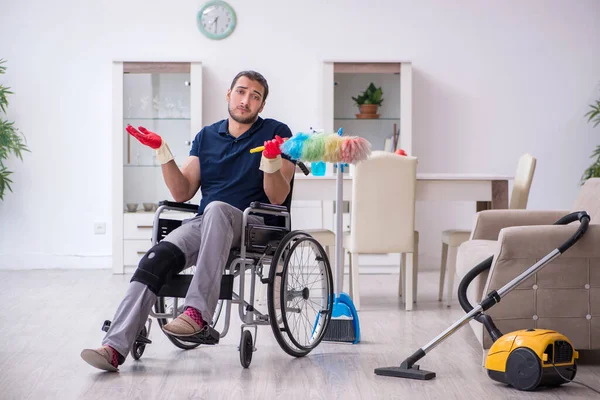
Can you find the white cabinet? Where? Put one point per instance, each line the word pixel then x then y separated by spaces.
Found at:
pixel 163 97
pixel 137 233
pixel 133 251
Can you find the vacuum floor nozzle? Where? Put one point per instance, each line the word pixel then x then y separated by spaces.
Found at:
pixel 402 372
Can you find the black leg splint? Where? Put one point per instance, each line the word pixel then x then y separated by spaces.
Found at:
pixel 158 264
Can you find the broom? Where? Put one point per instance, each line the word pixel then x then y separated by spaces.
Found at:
pixel 335 148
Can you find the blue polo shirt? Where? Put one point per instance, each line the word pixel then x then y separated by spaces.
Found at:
pixel 228 171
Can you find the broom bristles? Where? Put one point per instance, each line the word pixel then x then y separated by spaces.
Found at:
pixel 340 330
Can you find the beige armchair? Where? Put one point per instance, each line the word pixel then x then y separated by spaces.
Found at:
pixel 563 296
pixel 383 218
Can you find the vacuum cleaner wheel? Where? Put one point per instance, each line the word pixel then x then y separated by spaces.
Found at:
pixel 523 369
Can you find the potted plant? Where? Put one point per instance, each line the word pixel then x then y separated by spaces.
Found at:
pixel 593 171
pixel 10 139
pixel 368 101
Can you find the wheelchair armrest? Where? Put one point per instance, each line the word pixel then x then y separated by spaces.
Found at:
pixel 178 206
pixel 257 205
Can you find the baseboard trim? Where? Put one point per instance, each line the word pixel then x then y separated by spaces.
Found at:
pixel 30 261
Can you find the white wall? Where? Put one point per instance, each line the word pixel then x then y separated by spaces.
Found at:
pixel 491 81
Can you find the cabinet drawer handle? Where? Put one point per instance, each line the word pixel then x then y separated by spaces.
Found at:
pixel 144 226
pixel 140 253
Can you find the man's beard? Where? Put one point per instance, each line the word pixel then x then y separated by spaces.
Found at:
pixel 242 120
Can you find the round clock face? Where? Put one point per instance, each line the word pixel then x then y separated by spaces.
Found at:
pixel 216 19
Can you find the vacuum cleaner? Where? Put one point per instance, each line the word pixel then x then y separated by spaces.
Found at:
pixel 525 359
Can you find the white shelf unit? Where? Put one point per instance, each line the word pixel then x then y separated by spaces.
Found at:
pixel 166 98
pixel 343 79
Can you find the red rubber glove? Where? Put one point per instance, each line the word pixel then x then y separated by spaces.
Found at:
pixel 400 152
pixel 151 139
pixel 272 149
pixel 145 137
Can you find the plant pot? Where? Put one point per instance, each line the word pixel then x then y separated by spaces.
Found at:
pixel 368 111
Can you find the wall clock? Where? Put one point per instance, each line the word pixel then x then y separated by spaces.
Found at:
pixel 216 20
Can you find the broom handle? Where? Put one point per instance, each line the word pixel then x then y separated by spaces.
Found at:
pixel 339 233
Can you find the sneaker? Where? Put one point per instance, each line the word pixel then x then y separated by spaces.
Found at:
pixel 100 358
pixel 183 325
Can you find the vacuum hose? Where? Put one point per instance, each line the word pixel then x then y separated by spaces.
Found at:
pixel 485 265
pixel 485 319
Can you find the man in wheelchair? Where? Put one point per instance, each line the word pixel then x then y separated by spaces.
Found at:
pixel 230 178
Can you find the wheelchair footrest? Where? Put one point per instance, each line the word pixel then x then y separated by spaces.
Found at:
pixel 208 335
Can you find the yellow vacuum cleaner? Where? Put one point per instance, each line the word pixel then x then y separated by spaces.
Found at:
pixel 525 359
pixel 530 358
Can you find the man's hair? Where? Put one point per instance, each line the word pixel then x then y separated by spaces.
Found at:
pixel 254 76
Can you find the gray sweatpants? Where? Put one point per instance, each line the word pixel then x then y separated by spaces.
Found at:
pixel 206 241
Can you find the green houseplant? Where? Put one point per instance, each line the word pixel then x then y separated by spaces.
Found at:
pixel 11 141
pixel 593 171
pixel 368 101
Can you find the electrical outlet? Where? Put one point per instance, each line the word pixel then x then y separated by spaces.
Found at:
pixel 99 228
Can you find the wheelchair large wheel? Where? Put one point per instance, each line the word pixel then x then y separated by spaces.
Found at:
pixel 299 293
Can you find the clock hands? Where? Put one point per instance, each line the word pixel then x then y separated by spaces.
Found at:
pixel 215 21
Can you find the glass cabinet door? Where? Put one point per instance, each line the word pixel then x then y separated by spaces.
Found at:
pixel 158 97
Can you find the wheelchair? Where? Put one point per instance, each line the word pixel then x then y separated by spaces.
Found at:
pixel 292 264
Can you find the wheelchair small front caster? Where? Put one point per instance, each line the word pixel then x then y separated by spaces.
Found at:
pixel 246 348
pixel 140 344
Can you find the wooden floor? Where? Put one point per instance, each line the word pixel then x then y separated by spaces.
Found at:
pixel 50 316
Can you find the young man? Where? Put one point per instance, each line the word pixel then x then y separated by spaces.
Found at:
pixel 230 178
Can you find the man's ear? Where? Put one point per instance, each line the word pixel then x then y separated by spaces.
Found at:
pixel 228 95
pixel 261 107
